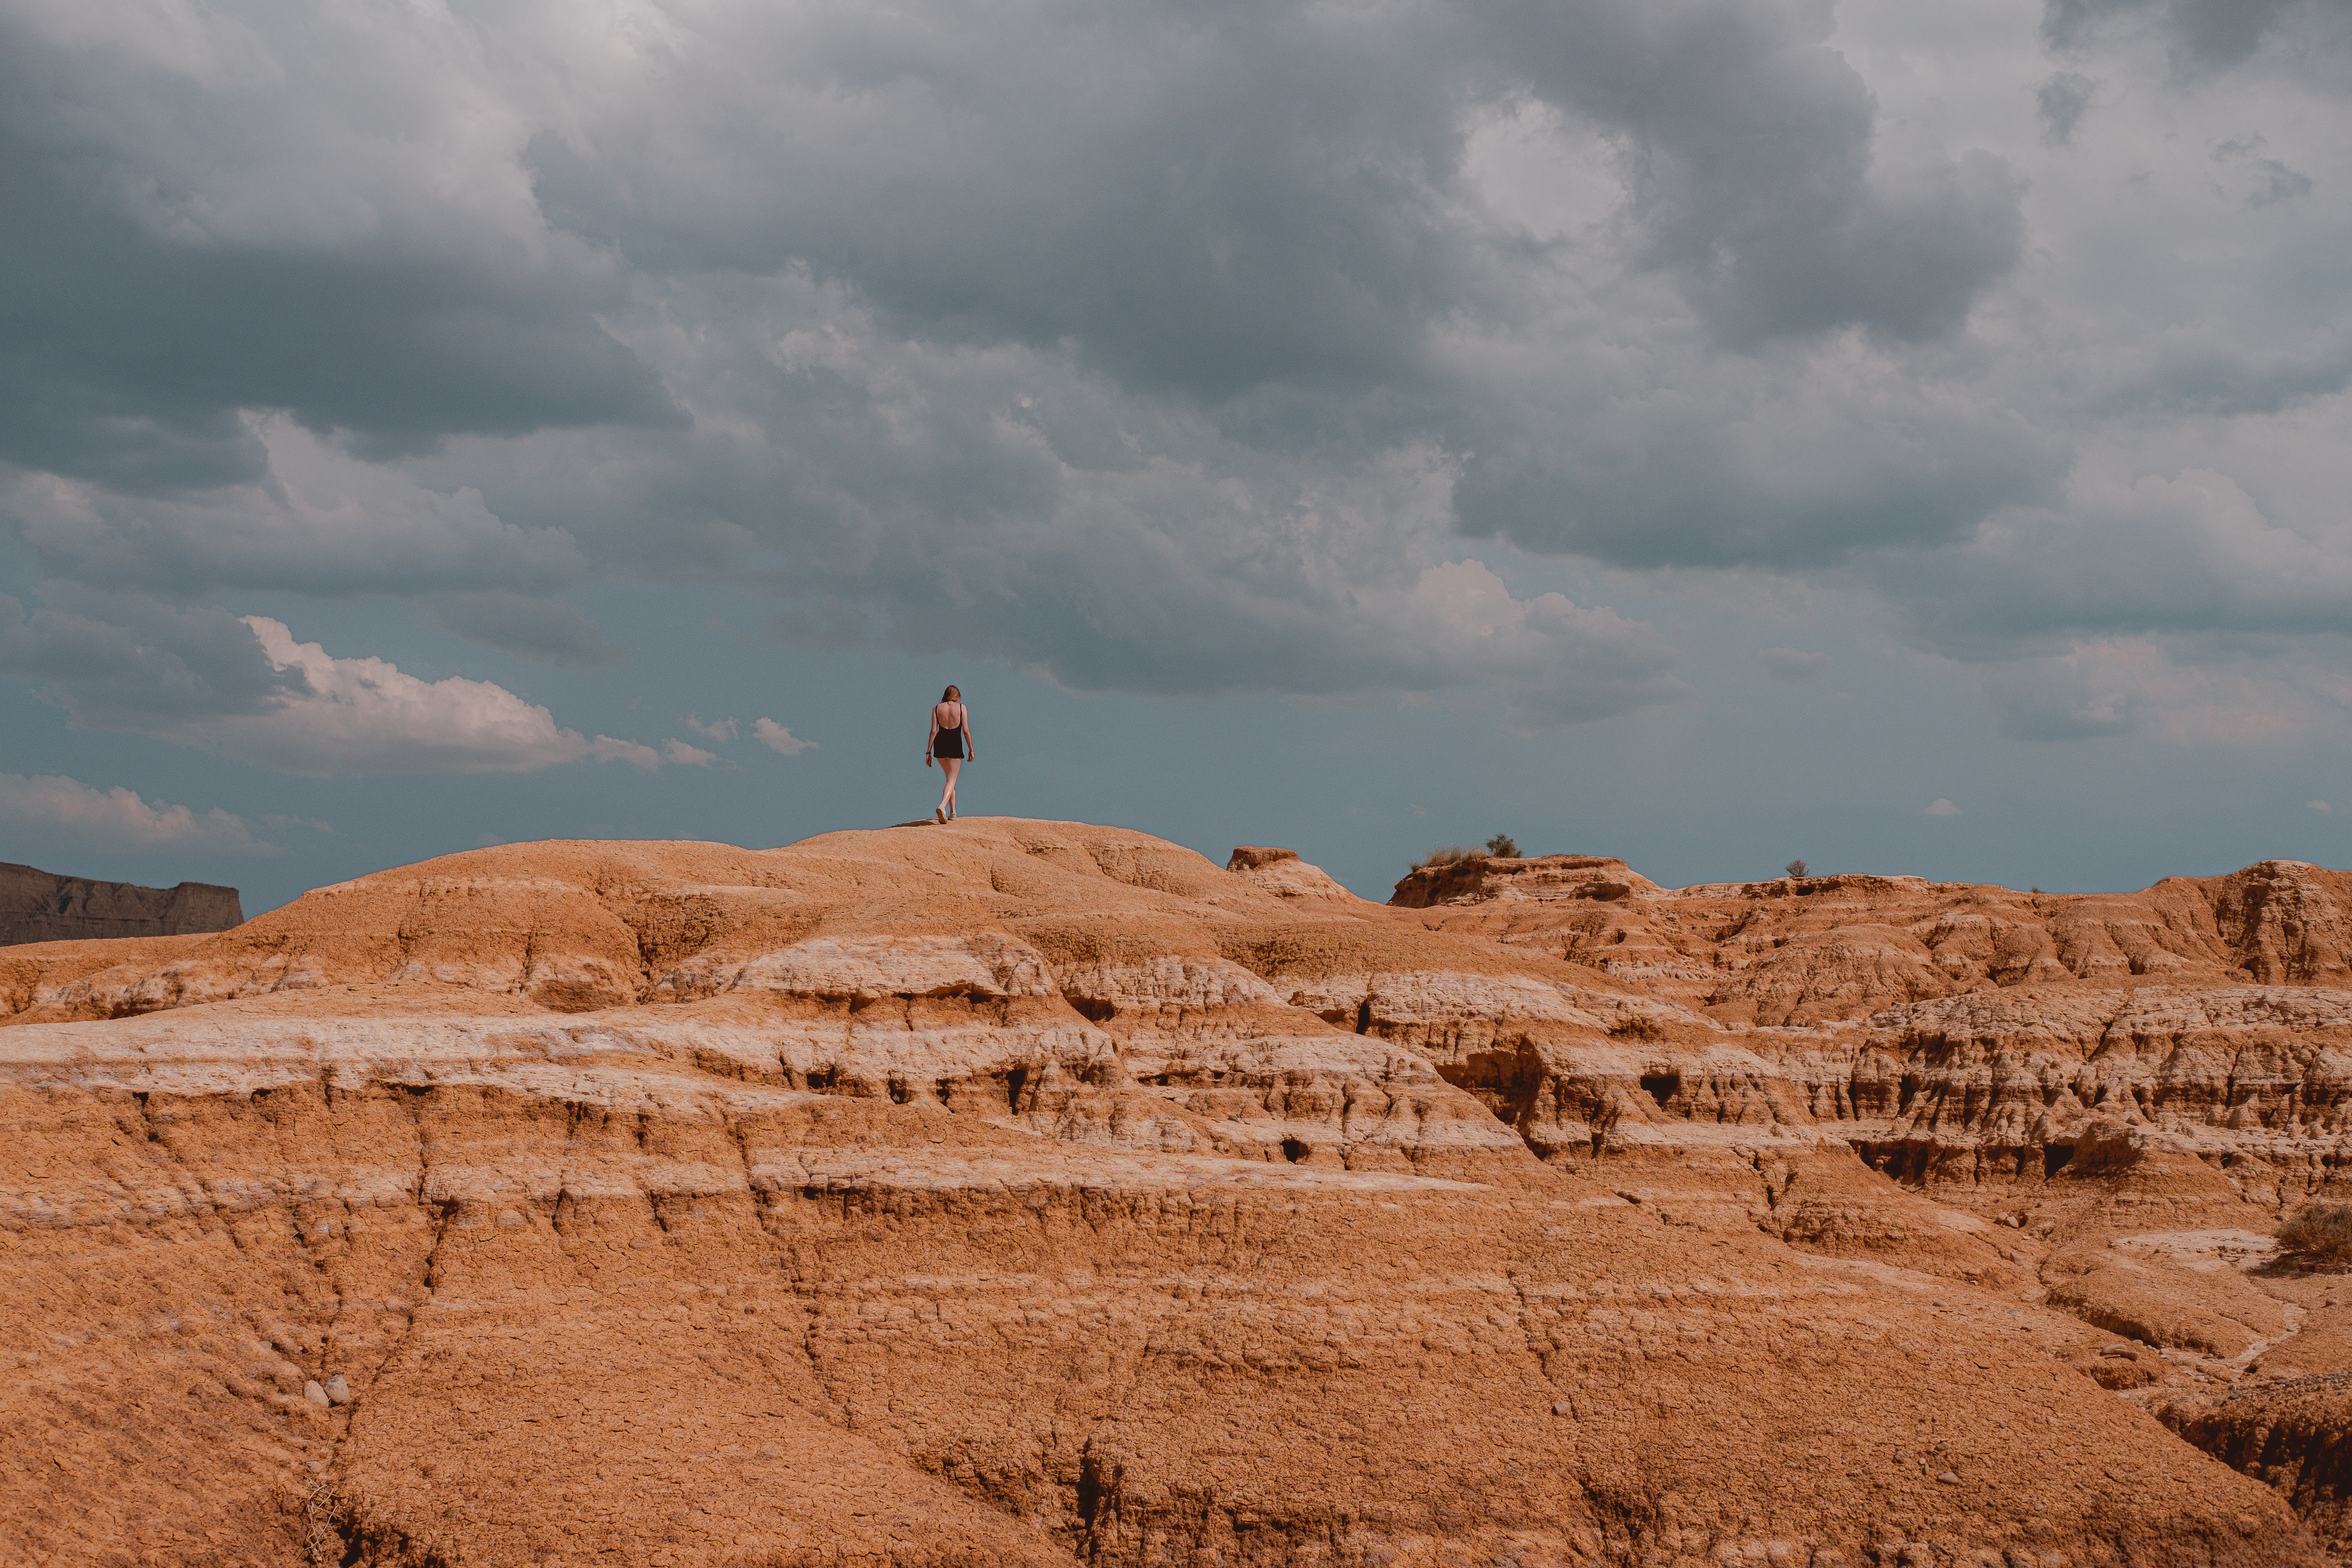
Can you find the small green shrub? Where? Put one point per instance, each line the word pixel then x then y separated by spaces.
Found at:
pixel 1444 856
pixel 1504 846
pixel 2321 1233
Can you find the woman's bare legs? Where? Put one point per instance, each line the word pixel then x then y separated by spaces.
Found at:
pixel 950 766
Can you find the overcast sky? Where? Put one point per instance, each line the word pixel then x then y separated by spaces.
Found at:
pixel 1911 435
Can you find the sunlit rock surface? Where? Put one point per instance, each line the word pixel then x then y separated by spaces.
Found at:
pixel 1025 1192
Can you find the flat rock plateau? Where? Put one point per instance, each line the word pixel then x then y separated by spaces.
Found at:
pixel 41 906
pixel 1033 1193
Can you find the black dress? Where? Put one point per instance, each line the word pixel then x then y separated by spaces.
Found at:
pixel 949 743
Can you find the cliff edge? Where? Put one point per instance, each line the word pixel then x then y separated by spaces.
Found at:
pixel 40 906
pixel 1037 1193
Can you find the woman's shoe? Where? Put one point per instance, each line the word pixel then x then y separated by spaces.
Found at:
pixel 940 815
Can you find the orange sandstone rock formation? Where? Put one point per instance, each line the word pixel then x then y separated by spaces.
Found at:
pixel 1035 1192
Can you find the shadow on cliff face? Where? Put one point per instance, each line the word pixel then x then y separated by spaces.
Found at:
pixel 2296 1437
pixel 40 906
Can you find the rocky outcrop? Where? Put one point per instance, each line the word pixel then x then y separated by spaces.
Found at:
pixel 1481 878
pixel 1029 1192
pixel 2130 1088
pixel 1281 873
pixel 2296 1436
pixel 1947 1032
pixel 37 906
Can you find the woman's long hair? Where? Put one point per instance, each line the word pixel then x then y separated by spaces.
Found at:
pixel 952 694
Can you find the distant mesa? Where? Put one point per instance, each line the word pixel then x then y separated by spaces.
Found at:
pixel 41 906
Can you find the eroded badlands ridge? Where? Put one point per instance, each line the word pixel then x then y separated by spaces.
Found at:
pixel 1030 1192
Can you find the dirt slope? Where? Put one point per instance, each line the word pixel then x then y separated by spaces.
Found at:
pixel 1027 1191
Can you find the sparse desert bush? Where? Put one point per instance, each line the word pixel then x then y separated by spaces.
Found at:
pixel 1502 846
pixel 2319 1233
pixel 1795 868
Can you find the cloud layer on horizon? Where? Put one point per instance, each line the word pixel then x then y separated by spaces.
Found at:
pixel 1171 350
pixel 245 688
pixel 67 810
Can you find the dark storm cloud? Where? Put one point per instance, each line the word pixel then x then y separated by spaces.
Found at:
pixel 2067 697
pixel 1203 198
pixel 1013 504
pixel 130 437
pixel 125 662
pixel 1750 145
pixel 1212 197
pixel 1266 208
pixel 316 521
pixel 2061 102
pixel 1756 480
pixel 546 631
pixel 2203 33
pixel 1794 664
pixel 2194 554
pixel 399 350
pixel 2272 180
pixel 2211 368
pixel 2173 606
pixel 132 329
pixel 1155 347
pixel 1625 520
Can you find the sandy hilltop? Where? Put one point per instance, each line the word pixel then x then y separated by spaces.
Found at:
pixel 1032 1193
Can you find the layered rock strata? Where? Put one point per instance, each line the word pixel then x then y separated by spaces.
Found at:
pixel 39 906
pixel 1038 1192
pixel 1953 1033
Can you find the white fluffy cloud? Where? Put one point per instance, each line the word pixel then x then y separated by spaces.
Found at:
pixel 120 818
pixel 337 715
pixel 777 738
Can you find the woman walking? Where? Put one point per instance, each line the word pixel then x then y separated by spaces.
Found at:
pixel 950 745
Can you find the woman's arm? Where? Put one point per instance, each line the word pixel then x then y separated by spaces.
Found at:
pixel 932 738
